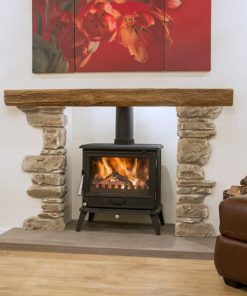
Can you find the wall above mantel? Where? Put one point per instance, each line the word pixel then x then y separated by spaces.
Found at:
pixel 119 97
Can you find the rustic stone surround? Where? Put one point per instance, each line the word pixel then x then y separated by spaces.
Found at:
pixel 48 168
pixel 195 128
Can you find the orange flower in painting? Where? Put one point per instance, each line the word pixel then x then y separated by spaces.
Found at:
pixel 99 21
pixel 165 4
pixel 165 20
pixel 134 34
pixel 141 29
pixel 94 23
pixel 172 4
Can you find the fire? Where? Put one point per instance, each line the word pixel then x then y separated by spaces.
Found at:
pixel 121 173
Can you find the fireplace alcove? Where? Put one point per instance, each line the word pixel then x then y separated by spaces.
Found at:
pixel 43 106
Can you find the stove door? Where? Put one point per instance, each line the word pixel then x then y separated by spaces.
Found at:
pixel 126 179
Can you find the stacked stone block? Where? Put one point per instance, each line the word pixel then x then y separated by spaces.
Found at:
pixel 195 128
pixel 47 169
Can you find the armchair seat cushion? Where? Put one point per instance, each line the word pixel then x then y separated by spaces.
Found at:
pixel 233 218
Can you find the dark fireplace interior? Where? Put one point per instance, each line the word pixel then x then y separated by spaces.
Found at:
pixel 122 177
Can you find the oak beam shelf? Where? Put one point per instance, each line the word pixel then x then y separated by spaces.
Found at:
pixel 119 97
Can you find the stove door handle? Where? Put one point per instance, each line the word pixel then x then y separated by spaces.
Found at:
pixel 80 186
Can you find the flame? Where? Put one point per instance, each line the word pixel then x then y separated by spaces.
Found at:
pixel 121 172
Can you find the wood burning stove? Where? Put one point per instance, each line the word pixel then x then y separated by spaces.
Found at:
pixel 122 177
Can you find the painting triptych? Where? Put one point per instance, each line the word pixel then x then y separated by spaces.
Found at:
pixel 121 35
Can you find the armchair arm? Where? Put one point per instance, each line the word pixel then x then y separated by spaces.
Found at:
pixel 233 217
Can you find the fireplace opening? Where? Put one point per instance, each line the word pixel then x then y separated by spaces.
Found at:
pixel 122 177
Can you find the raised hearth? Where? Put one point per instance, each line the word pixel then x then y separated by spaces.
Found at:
pixel 107 238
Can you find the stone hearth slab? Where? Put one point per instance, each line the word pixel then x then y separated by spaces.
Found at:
pixel 110 239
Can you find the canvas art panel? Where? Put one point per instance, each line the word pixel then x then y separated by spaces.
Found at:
pixel 121 35
pixel 53 36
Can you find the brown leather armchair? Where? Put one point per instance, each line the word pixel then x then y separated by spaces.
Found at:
pixel 230 255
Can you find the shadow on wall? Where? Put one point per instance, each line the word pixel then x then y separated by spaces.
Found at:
pixel 168 196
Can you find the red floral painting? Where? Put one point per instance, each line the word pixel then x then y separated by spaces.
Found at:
pixel 121 35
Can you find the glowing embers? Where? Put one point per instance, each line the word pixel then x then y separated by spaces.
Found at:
pixel 119 173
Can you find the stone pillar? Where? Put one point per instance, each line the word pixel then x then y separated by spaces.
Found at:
pixel 48 168
pixel 195 128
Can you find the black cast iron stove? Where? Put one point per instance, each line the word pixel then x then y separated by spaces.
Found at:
pixel 122 177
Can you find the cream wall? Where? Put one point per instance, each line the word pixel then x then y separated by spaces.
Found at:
pixel 229 63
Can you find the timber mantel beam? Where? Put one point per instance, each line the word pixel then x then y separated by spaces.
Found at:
pixel 119 97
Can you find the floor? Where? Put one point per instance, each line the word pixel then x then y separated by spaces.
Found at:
pixel 39 274
pixel 110 239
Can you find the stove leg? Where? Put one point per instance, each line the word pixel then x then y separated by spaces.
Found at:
pixel 162 221
pixel 90 217
pixel 80 221
pixel 156 223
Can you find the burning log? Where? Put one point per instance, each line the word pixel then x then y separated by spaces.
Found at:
pixel 122 178
pixel 114 181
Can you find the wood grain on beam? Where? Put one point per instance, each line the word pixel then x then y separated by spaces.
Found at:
pixel 119 97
